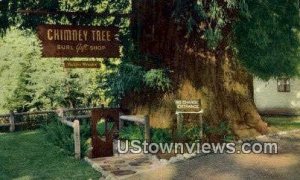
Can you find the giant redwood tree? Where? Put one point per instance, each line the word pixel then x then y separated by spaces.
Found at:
pixel 208 49
pixel 212 49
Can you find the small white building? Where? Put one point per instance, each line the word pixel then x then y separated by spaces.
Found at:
pixel 277 96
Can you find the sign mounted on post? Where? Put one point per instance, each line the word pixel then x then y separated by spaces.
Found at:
pixel 79 41
pixel 188 107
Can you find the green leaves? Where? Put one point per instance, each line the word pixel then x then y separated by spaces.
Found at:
pixel 10 17
pixel 263 33
pixel 159 135
pixel 130 78
pixel 15 93
pixel 157 79
pixel 213 37
pixel 199 10
pixel 268 42
pixel 31 82
pixel 3 16
pixel 132 132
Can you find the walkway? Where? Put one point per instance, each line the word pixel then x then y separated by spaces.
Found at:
pixel 285 165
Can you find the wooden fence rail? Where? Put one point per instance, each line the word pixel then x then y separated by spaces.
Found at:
pixel 76 135
pixel 4 115
pixel 67 120
pixel 12 123
pixel 69 117
pixel 66 117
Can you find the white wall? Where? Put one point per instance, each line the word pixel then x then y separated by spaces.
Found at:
pixel 267 98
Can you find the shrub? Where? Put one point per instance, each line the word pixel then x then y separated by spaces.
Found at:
pixel 36 121
pixel 132 132
pixel 192 134
pixel 30 122
pixel 62 136
pixel 134 78
pixel 157 79
pixel 161 135
pixel 223 131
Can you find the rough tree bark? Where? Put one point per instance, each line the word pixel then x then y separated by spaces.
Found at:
pixel 215 77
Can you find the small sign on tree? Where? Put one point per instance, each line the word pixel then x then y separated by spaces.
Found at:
pixel 188 105
pixel 81 64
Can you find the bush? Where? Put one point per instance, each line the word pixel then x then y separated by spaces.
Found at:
pixel 62 136
pixel 223 131
pixel 161 135
pixel 133 78
pixel 35 121
pixel 30 122
pixel 132 132
pixel 157 79
pixel 192 134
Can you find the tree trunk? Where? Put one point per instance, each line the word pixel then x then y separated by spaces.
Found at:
pixel 214 76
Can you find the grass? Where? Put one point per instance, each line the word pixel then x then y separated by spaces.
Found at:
pixel 26 155
pixel 283 123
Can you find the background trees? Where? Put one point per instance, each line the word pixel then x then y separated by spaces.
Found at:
pixel 267 38
pixel 186 49
pixel 29 82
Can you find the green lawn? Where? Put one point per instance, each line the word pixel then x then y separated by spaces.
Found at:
pixel 26 155
pixel 283 123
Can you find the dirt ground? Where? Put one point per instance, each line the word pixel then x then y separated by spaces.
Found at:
pixel 284 165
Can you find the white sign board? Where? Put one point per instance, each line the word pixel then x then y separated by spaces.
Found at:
pixel 188 105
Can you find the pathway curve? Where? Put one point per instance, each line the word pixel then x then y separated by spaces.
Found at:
pixel 285 165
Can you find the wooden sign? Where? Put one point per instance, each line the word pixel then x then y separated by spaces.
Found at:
pixel 79 41
pixel 188 105
pixel 81 64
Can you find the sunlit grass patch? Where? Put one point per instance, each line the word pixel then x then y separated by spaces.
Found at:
pixel 26 155
pixel 283 123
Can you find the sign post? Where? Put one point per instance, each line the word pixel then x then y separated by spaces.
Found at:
pixel 188 107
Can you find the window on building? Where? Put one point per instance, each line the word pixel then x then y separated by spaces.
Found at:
pixel 283 85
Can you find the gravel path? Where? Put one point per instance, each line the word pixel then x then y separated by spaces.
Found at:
pixel 285 165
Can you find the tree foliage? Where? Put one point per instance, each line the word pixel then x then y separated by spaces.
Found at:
pixel 262 34
pixel 128 78
pixel 29 82
pixel 267 40
pixel 9 15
